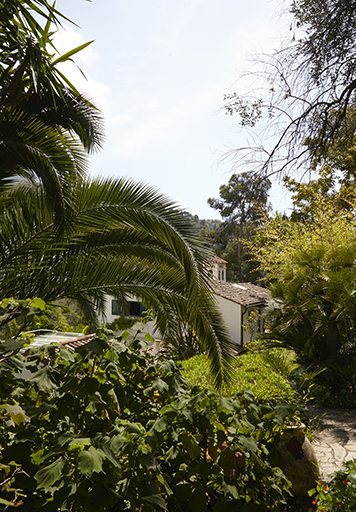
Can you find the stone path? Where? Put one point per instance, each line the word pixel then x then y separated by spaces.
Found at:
pixel 335 442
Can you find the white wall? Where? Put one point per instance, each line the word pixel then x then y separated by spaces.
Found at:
pixel 109 317
pixel 231 313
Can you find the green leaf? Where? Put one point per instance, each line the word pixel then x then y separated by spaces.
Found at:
pixel 108 454
pixel 227 404
pixel 9 346
pixel 8 503
pixel 159 425
pixel 117 442
pixel 149 337
pixel 38 303
pixel 133 428
pixel 80 443
pixel 37 456
pixel 112 368
pixel 249 443
pixel 150 462
pixel 90 461
pixel 190 444
pixel 156 499
pixel 97 346
pixel 163 482
pixel 160 386
pixel 72 52
pixel 47 476
pixel 230 491
pixel 284 410
pixel 43 379
pixel 17 414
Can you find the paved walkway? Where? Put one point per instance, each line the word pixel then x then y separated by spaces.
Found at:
pixel 335 442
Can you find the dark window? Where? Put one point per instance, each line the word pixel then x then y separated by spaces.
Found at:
pixel 134 309
pixel 115 307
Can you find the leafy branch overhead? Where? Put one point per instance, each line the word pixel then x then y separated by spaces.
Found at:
pixel 299 102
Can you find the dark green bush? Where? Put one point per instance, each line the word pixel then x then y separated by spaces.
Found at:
pixel 110 429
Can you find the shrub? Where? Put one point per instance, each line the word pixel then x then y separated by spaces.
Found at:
pixel 110 429
pixel 122 323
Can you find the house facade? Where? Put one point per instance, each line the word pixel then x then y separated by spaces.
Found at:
pixel 134 309
pixel 240 304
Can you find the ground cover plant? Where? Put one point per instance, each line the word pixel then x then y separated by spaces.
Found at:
pixel 109 428
pixel 250 371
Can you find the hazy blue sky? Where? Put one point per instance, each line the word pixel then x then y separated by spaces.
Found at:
pixel 159 69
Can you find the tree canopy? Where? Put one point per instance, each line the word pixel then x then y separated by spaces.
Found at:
pixel 242 204
pixel 309 85
pixel 310 265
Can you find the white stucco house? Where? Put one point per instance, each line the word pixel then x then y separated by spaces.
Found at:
pixel 236 302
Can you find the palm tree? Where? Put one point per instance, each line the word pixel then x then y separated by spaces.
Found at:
pixel 316 314
pixel 46 126
pixel 64 236
pixel 125 238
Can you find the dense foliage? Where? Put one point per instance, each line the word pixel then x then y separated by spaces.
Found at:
pixel 311 267
pixel 109 428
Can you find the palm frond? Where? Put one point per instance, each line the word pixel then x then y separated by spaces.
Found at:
pixel 126 239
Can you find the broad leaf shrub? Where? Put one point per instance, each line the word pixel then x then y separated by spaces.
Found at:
pixel 249 371
pixel 340 493
pixel 108 428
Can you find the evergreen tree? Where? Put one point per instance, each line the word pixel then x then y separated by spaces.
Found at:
pixel 242 203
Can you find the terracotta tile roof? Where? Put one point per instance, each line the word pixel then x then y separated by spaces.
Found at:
pixel 246 294
pixel 217 259
pixel 77 342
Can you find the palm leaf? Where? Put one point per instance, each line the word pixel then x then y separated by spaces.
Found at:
pixel 126 239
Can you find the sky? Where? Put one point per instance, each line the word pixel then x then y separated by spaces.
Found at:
pixel 158 70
